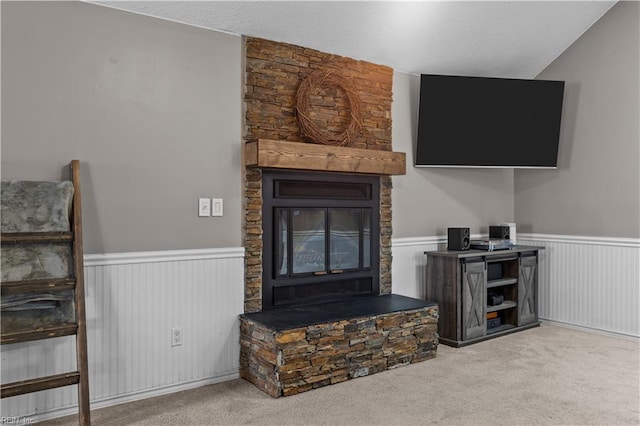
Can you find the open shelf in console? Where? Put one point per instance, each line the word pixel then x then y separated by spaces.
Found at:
pixel 503 327
pixel 507 304
pixel 502 281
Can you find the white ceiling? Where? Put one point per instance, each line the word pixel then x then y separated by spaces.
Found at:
pixel 515 39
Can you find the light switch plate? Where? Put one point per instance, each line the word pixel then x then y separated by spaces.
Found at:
pixel 216 207
pixel 204 207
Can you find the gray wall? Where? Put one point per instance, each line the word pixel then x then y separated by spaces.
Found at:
pixel 153 110
pixel 596 188
pixel 426 201
pixel 150 107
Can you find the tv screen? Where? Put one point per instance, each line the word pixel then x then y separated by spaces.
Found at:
pixel 488 122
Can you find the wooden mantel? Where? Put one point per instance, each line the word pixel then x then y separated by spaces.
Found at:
pixel 266 153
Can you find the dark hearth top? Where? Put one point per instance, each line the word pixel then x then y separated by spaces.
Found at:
pixel 303 316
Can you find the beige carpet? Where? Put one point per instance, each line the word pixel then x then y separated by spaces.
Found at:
pixel 548 375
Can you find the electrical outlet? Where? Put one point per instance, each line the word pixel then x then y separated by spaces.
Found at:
pixel 176 336
pixel 216 207
pixel 204 207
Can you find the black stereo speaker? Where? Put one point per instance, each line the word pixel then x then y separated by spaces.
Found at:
pixel 500 232
pixel 458 239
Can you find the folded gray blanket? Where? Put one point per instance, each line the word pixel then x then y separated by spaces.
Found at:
pixel 35 261
pixel 35 206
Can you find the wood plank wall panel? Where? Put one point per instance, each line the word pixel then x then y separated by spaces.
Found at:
pixel 133 302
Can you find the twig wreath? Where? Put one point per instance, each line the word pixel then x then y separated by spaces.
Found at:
pixel 308 128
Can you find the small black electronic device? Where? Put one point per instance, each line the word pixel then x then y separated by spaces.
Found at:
pixel 493 323
pixel 494 299
pixel 500 232
pixel 491 244
pixel 458 239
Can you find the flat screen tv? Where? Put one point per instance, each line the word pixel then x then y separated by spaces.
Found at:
pixel 488 122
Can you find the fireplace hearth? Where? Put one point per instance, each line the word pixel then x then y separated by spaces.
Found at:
pixel 291 350
pixel 324 319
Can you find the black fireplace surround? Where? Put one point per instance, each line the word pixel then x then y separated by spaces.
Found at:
pixel 321 235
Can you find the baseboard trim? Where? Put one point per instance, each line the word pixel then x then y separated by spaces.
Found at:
pixel 133 396
pixel 591 330
pixel 161 256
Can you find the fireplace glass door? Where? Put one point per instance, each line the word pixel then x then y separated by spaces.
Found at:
pixel 320 229
pixel 322 241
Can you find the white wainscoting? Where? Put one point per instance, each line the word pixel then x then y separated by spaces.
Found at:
pixel 408 267
pixel 409 264
pixel 586 282
pixel 589 282
pixel 133 301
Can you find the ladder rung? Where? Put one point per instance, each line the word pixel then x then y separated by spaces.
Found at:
pixel 36 286
pixel 35 237
pixel 40 333
pixel 39 384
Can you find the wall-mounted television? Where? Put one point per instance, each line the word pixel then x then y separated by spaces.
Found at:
pixel 488 122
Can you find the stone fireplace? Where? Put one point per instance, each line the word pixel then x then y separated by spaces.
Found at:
pixel 318 302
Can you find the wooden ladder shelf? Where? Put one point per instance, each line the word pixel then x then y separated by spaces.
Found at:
pixel 77 328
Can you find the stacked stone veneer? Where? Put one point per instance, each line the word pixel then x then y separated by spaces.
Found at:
pixel 273 73
pixel 284 363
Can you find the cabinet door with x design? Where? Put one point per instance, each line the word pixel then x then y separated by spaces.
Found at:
pixel 474 307
pixel 527 290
